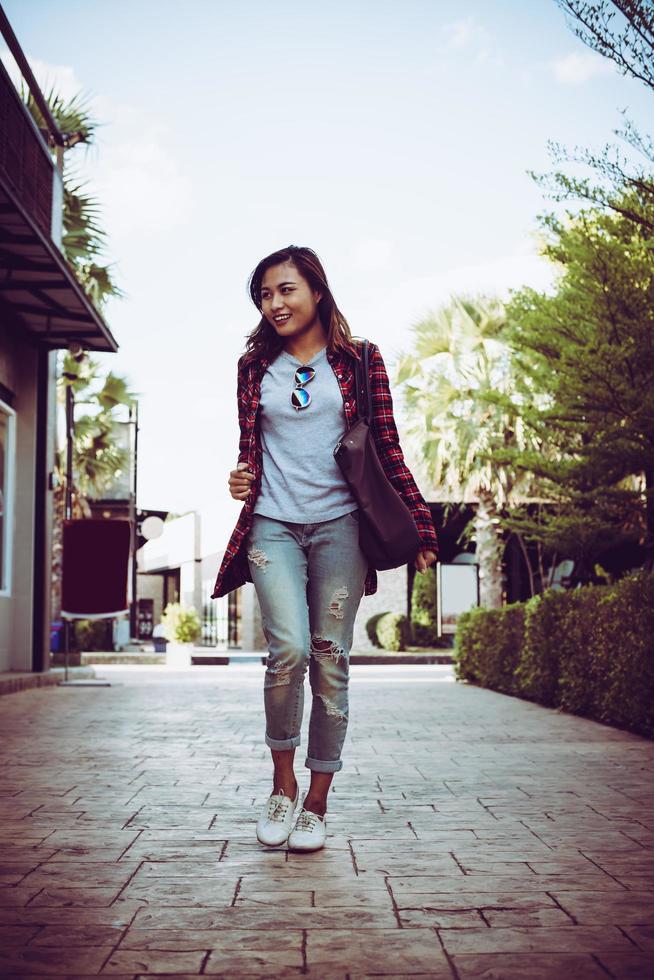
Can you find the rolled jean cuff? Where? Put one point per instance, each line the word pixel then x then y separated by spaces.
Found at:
pixel 319 765
pixel 282 743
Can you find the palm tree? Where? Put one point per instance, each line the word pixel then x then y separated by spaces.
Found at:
pixel 458 366
pixel 98 457
pixel 83 239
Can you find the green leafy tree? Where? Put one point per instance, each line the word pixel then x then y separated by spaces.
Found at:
pixel 98 456
pixel 455 376
pixel 621 30
pixel 588 349
pixel 84 239
pixel 595 461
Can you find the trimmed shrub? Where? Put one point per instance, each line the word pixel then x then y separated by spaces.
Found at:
pixel 424 622
pixel 628 641
pixel 92 635
pixel 537 672
pixel 181 625
pixel 468 641
pixel 488 644
pixel 582 676
pixel 393 631
pixel 371 628
pixel 589 651
pixel 614 680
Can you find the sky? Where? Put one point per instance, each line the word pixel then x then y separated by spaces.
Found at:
pixel 395 139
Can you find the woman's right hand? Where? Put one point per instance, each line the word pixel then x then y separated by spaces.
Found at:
pixel 239 481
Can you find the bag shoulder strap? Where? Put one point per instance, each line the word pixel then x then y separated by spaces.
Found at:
pixel 362 375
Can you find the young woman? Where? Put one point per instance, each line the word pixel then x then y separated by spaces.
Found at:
pixel 297 535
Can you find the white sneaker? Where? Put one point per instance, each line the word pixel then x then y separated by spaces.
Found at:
pixel 274 824
pixel 309 832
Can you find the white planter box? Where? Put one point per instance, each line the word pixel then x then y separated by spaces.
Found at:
pixel 178 654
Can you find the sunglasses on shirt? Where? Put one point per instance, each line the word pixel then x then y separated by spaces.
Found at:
pixel 299 397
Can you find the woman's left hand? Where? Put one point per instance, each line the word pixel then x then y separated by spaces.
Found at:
pixel 424 559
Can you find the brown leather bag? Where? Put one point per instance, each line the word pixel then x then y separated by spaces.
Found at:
pixel 387 532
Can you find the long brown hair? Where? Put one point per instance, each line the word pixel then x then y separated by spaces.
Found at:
pixel 263 341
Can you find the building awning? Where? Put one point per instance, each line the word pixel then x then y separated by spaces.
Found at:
pixel 38 285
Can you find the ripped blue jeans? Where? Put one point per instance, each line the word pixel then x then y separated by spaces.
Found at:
pixel 309 580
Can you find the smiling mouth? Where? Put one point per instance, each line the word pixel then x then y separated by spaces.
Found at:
pixel 283 319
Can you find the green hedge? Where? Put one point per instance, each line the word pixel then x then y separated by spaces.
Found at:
pixel 424 622
pixel 488 645
pixel 91 635
pixel 371 629
pixel 589 651
pixel 393 631
pixel 389 631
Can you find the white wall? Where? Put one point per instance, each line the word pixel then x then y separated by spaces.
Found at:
pixel 179 546
pixel 389 597
pixel 18 372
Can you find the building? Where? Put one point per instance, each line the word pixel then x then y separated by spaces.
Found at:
pixel 42 308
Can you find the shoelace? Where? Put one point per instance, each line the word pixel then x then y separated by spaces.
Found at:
pixel 278 807
pixel 306 821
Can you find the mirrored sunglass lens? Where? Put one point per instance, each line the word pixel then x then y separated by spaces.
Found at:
pixel 302 375
pixel 300 398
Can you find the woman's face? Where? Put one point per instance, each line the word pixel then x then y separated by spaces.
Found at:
pixel 287 300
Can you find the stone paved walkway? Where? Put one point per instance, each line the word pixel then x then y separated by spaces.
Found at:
pixel 469 835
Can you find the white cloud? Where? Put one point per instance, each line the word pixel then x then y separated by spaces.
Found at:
pixel 62 77
pixel 386 316
pixel 470 34
pixel 460 32
pixel 139 178
pixel 580 67
pixel 132 167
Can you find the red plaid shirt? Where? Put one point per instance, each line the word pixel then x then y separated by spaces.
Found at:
pixel 234 569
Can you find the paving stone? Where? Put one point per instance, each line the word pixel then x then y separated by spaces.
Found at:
pixel 154 961
pixel 117 916
pixel 643 936
pixel 589 908
pixel 571 939
pixel 78 934
pixel 486 900
pixel 426 884
pixel 517 966
pixel 628 966
pixel 54 874
pixel 448 918
pixel 232 950
pixel 385 951
pixel 16 895
pixel 58 960
pixel 78 897
pixel 396 976
pixel 292 917
pixel 188 892
pixel 17 935
pixel 528 917
pixel 516 840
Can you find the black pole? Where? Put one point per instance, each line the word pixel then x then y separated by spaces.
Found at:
pixel 68 498
pixel 42 562
pixel 134 419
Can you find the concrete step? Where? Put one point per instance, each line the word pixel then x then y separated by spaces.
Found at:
pixel 13 681
pixel 214 658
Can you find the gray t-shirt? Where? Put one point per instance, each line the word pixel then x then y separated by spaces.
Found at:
pixel 301 481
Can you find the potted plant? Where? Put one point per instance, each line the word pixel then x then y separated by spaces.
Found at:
pixel 182 629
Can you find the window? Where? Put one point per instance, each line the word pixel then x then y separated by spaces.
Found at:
pixel 7 420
